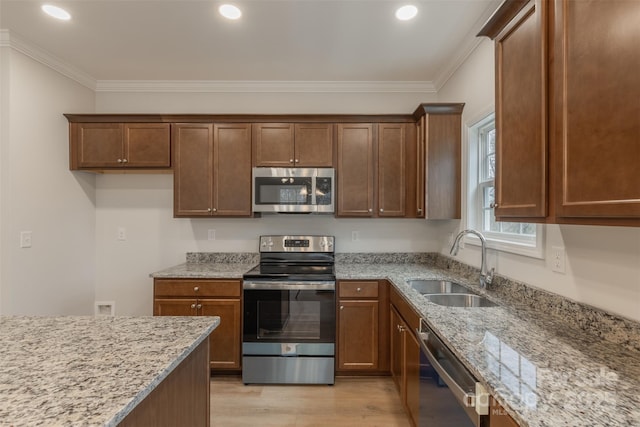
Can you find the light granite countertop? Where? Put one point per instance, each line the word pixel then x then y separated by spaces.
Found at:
pixel 541 367
pixel 64 371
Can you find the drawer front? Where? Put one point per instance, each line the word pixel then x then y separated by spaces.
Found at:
pixel 197 288
pixel 368 289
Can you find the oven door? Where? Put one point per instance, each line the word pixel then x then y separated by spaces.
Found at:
pixel 283 190
pixel 289 319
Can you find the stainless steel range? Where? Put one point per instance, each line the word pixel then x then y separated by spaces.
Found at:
pixel 289 312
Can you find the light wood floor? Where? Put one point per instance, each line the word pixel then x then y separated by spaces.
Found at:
pixel 350 402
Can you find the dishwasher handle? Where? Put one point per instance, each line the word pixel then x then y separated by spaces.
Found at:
pixel 465 397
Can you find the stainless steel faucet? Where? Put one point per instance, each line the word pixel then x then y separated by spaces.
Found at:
pixel 485 278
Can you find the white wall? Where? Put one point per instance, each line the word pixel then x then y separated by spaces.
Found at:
pixel 603 263
pixel 39 194
pixel 155 240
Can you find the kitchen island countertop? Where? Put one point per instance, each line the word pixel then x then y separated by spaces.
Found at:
pixel 88 371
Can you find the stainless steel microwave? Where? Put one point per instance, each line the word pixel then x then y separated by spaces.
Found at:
pixel 293 190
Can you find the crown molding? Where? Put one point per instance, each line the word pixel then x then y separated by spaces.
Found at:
pixel 220 86
pixel 470 42
pixel 11 40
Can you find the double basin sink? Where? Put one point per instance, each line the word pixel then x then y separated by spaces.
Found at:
pixel 449 294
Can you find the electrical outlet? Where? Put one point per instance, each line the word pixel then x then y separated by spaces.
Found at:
pixel 211 234
pixel 25 239
pixel 355 236
pixel 558 259
pixel 122 233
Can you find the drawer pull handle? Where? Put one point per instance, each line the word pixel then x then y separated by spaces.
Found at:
pixel 193 306
pixel 196 289
pixel 358 289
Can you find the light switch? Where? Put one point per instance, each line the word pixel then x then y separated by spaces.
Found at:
pixel 25 239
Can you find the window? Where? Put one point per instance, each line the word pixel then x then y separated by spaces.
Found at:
pixel 522 238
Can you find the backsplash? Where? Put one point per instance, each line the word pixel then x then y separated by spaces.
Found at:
pixel 223 257
pixel 387 258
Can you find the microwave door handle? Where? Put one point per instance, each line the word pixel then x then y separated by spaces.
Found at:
pixel 313 191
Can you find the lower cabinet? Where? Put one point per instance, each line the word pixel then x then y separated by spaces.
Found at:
pixel 362 325
pixel 206 297
pixel 405 355
pixel 498 417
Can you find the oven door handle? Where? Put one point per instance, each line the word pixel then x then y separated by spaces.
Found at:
pixel 285 285
pixel 464 397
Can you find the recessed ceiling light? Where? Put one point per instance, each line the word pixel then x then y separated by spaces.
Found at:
pixel 56 12
pixel 230 11
pixel 407 12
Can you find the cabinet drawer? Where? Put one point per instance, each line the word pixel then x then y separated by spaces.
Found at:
pixel 358 289
pixel 196 288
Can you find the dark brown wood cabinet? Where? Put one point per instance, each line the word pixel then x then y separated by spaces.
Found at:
pixel 375 167
pixel 596 111
pixel 362 325
pixel 293 145
pixel 498 417
pixel 181 399
pixel 212 169
pixel 405 354
pixel 439 139
pixel 567 112
pixel 97 146
pixel 206 297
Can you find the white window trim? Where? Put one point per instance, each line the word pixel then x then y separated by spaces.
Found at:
pixel 495 241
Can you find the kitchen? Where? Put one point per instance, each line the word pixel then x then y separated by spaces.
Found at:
pixel 75 217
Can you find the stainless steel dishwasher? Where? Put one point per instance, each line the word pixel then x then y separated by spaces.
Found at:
pixel 448 395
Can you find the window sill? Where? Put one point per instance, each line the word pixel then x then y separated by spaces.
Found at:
pixel 529 250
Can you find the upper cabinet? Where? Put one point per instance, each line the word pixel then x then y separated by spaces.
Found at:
pixel 567 111
pixel 119 145
pixel 376 170
pixel 293 145
pixel 212 169
pixel 438 160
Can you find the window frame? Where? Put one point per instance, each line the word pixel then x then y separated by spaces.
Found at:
pixel 503 242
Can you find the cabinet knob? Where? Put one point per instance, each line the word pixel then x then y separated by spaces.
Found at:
pixel 381 210
pixel 297 160
pixel 401 328
pixel 119 160
pixel 493 205
pixel 419 210
pixel 290 160
pixel 370 210
pixel 193 306
pixel 215 210
pixel 208 209
pixel 196 289
pixel 199 306
pixel 124 160
pixel 342 307
pixel 358 289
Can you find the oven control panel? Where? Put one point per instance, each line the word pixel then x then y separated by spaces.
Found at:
pixel 296 243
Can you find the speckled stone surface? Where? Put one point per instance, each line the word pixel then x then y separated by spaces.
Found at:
pixel 224 257
pixel 204 270
pixel 544 371
pixel 86 371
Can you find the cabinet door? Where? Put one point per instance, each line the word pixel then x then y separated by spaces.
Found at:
pixel 226 338
pixel 521 115
pixel 391 170
pixel 147 145
pixel 358 335
pixel 174 307
pixel 596 115
pixel 355 172
pixel 420 162
pixel 314 145
pixel 412 374
pixel 232 169
pixel 273 144
pixel 192 169
pixel 97 145
pixel 397 351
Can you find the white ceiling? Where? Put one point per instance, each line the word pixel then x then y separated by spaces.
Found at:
pixel 275 40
